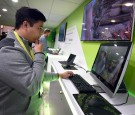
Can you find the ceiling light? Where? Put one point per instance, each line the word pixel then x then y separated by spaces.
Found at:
pixel 1 26
pixel 4 9
pixel 15 1
pixel 106 28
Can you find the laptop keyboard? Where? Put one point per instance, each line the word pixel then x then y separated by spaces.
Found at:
pixel 63 62
pixel 81 84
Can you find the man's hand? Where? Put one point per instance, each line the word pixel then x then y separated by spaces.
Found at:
pixel 66 74
pixel 38 47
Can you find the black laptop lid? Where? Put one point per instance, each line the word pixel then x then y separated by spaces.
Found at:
pixel 71 59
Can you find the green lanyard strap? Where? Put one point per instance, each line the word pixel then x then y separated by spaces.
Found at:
pixel 31 54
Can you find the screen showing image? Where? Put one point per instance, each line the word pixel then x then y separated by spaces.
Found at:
pixel 62 32
pixel 108 20
pixel 109 63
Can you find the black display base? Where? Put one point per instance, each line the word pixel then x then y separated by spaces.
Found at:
pixel 69 67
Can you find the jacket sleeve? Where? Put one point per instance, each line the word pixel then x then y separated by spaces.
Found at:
pixel 18 74
pixel 49 76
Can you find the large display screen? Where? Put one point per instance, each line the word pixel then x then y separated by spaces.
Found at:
pixel 110 64
pixel 108 20
pixel 62 32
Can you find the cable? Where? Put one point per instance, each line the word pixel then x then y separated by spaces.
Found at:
pixel 81 67
pixel 124 102
pixel 88 71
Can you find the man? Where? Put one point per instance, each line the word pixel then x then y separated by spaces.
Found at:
pixel 21 72
pixel 43 40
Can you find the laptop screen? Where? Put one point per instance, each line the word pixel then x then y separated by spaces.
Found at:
pixel 71 59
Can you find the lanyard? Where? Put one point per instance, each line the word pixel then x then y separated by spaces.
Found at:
pixel 31 55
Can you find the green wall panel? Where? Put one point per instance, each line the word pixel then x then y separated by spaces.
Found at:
pixel 130 72
pixel 90 48
pixel 51 38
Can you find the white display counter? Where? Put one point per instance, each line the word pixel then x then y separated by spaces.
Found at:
pixel 69 89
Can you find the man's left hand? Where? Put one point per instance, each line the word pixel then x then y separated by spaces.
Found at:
pixel 66 74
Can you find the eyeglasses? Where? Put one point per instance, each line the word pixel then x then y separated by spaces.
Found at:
pixel 41 29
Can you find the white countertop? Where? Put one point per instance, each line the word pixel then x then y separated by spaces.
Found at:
pixel 69 89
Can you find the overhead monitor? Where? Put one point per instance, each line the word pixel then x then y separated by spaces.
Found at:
pixel 105 20
pixel 62 32
pixel 110 65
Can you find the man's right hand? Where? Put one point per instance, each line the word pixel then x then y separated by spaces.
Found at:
pixel 38 47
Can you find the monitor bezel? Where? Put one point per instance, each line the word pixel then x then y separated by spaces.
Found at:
pixel 111 91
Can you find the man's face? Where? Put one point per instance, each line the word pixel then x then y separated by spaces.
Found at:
pixel 47 34
pixel 34 32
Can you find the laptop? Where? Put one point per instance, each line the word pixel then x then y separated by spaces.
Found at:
pixel 69 61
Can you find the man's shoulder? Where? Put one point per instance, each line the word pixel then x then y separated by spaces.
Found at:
pixel 10 45
pixel 6 42
pixel 42 37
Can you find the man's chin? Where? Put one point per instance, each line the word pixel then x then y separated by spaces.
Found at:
pixel 33 41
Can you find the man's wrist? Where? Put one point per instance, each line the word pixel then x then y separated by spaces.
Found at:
pixel 58 75
pixel 39 53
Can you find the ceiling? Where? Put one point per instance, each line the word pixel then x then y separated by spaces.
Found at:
pixel 54 10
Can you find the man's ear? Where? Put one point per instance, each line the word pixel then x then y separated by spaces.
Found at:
pixel 25 24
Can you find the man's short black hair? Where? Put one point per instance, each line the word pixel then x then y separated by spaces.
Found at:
pixel 28 14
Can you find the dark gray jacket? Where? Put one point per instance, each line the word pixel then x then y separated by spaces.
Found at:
pixel 20 78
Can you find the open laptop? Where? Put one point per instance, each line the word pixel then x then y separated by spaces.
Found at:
pixel 54 51
pixel 69 61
